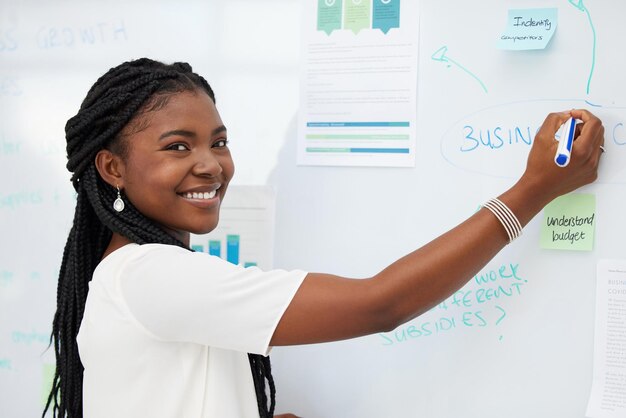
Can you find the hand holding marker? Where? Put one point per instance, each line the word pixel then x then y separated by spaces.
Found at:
pixel 566 141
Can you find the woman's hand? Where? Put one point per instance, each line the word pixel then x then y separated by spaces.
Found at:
pixel 544 177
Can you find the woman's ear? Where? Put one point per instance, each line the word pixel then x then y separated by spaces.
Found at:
pixel 111 168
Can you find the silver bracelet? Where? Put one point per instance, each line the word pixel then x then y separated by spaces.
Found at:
pixel 509 221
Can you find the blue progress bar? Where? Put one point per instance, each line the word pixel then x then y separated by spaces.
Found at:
pixel 358 150
pixel 381 150
pixel 355 124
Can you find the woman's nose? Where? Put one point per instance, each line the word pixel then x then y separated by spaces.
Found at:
pixel 206 163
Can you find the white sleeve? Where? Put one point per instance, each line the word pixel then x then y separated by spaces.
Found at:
pixel 179 295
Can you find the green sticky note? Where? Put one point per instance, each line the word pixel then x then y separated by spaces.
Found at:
pixel 569 223
pixel 46 383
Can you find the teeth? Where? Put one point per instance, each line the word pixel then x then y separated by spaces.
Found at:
pixel 200 195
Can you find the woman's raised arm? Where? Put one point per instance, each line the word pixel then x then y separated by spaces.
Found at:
pixel 329 308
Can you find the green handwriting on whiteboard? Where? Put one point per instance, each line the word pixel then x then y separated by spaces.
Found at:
pixel 580 6
pixel 478 305
pixel 478 319
pixel 440 55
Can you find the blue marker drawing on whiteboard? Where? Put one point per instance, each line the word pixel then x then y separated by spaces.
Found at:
pixel 566 141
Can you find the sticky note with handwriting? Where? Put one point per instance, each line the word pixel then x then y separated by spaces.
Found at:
pixel 569 223
pixel 528 29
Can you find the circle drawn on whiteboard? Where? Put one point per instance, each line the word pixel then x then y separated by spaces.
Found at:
pixel 329 3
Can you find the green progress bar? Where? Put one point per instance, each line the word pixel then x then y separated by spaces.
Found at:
pixel 394 137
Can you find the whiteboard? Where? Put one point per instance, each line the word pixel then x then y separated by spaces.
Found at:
pixel 534 361
pixel 527 354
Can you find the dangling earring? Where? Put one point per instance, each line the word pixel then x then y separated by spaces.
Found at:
pixel 118 204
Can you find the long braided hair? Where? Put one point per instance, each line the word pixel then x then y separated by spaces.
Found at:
pixel 113 102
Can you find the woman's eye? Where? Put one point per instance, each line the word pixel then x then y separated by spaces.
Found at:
pixel 220 143
pixel 178 147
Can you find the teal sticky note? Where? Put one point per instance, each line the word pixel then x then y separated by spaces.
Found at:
pixel 569 223
pixel 528 29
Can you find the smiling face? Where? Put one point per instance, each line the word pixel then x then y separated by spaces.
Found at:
pixel 176 168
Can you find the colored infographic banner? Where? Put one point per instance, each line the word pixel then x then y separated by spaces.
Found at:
pixel 356 15
pixel 386 15
pixel 329 15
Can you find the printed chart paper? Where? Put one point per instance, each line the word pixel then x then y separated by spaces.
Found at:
pixel 245 233
pixel 358 83
pixel 608 391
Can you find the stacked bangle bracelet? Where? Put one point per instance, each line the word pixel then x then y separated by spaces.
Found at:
pixel 506 217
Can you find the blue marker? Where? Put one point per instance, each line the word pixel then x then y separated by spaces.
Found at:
pixel 566 141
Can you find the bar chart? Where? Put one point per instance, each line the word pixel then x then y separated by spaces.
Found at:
pixel 244 235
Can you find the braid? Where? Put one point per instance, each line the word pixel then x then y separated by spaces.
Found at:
pixel 82 249
pixel 112 103
pixel 262 370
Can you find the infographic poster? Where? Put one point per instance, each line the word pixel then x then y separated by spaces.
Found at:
pixel 358 83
